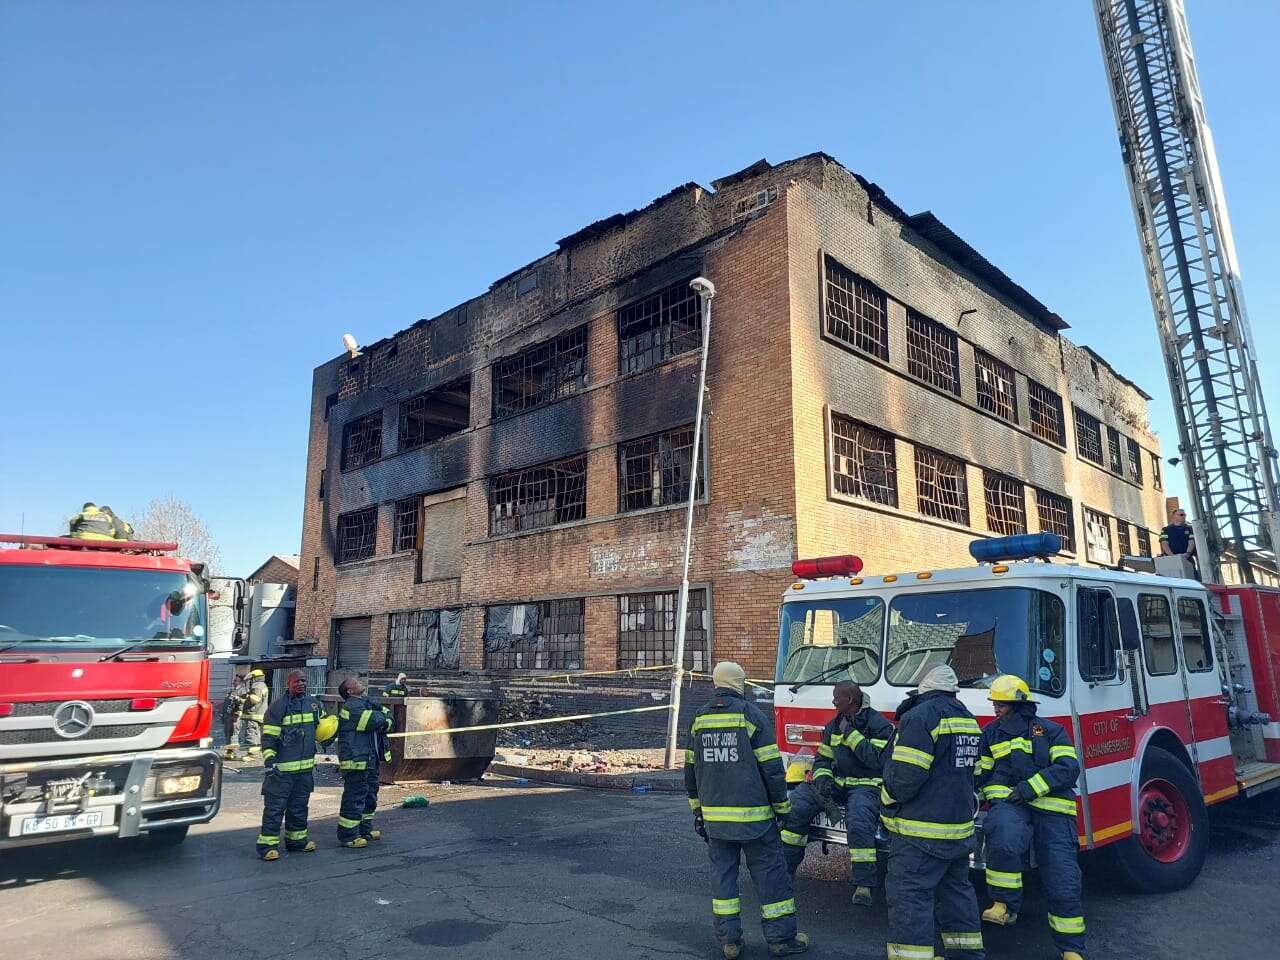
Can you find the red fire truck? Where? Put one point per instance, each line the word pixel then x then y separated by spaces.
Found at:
pixel 104 709
pixel 1170 689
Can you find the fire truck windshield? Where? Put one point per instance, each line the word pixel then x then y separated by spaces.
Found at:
pixel 99 608
pixel 830 640
pixel 980 634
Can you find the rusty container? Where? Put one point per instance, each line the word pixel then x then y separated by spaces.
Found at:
pixel 442 756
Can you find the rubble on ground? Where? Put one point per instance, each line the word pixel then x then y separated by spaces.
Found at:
pixel 584 760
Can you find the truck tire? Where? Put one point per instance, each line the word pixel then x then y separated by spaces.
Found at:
pixel 1173 840
pixel 168 837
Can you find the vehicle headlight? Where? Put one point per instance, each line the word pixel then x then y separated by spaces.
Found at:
pixel 175 783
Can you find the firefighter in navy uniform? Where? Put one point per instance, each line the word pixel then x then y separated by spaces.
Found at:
pixel 1027 771
pixel 846 785
pixel 289 755
pixel 361 725
pixel 397 689
pixel 927 808
pixel 737 787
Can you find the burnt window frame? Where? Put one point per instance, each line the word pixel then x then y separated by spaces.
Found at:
pixel 367 544
pixel 857 485
pixel 649 639
pixel 1134 453
pixel 559 363
pixel 1144 542
pixel 408 653
pixel 996 483
pixel 668 493
pixel 867 334
pixel 568 476
pixel 989 397
pixel 1039 400
pixel 930 506
pixel 673 339
pixel 1157 475
pixel 367 428
pixel 403 415
pixel 1105 520
pixel 406 512
pixel 931 346
pixel 563 652
pixel 1061 507
pixel 1124 540
pixel 1089 428
pixel 1115 452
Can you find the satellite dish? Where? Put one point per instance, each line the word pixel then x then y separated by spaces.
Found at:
pixel 349 344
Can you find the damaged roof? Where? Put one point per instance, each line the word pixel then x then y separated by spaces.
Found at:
pixel 1094 354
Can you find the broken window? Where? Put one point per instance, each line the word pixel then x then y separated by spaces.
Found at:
pixel 1135 460
pixel 1006 508
pixel 997 392
pixel 1044 408
pixel 857 311
pixel 933 352
pixel 424 640
pixel 647 630
pixel 1144 542
pixel 1122 538
pixel 659 327
pixel 1088 437
pixel 534 636
pixel 941 488
pixel 654 471
pixel 357 534
pixel 406 524
pixel 362 441
pixel 538 496
pixel 1056 516
pixel 1097 529
pixel 435 414
pixel 1113 449
pixel 863 462
pixel 540 374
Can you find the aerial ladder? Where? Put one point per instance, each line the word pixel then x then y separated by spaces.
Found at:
pixel 1224 440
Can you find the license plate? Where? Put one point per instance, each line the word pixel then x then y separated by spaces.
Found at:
pixel 34 826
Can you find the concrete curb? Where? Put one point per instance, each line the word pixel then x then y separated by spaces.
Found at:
pixel 659 781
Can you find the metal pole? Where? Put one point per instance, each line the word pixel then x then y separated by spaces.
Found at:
pixel 706 290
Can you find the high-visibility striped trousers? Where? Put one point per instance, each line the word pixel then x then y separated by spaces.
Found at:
pixel 769 876
pixel 917 886
pixel 359 802
pixel 862 816
pixel 285 796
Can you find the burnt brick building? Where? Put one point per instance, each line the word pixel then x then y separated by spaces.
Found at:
pixel 500 487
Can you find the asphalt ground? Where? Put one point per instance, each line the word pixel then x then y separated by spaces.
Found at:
pixel 502 868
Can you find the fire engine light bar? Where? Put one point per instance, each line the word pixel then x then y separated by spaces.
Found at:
pixel 845 566
pixel 1024 546
pixel 127 546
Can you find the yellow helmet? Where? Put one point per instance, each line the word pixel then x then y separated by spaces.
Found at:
pixel 255 672
pixel 326 728
pixel 1009 689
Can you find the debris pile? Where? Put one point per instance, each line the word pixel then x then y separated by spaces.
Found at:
pixel 585 760
pixel 548 735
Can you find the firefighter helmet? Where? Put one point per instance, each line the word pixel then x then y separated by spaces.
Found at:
pixel 326 728
pixel 255 672
pixel 1009 689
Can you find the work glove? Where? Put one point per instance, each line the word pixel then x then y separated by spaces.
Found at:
pixel 827 802
pixel 700 827
pixel 1016 798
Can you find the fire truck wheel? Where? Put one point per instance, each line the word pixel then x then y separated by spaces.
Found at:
pixel 1173 839
pixel 166 838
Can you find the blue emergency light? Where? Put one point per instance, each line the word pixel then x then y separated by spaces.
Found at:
pixel 1024 546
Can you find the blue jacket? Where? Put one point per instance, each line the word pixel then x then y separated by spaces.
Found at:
pixel 1032 756
pixel 851 752
pixel 289 733
pixel 360 723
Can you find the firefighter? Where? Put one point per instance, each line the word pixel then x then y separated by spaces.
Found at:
pixel 289 754
pixel 734 777
pixel 232 704
pixel 92 523
pixel 1027 772
pixel 397 689
pixel 249 729
pixel 361 724
pixel 846 785
pixel 121 529
pixel 927 808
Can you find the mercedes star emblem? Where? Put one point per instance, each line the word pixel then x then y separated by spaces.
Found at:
pixel 73 719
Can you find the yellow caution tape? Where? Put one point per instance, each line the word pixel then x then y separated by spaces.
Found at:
pixel 527 723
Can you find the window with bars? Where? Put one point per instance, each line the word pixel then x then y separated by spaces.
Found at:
pixel 647 630
pixel 538 496
pixel 1113 451
pixel 1144 542
pixel 654 471
pixel 406 524
pixel 857 311
pixel 435 414
pixel 1135 460
pixel 659 327
pixel 1056 516
pixel 541 374
pixel 1157 480
pixel 997 389
pixel 357 534
pixel 421 640
pixel 1097 530
pixel 1006 506
pixel 362 441
pixel 933 352
pixel 942 490
pixel 863 462
pixel 1044 408
pixel 1088 436
pixel 550 639
pixel 1122 538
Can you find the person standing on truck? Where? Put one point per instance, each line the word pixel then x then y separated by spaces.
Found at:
pixel 289 755
pixel 361 724
pixel 737 788
pixel 249 731
pixel 91 523
pixel 927 808
pixel 846 785
pixel 1027 772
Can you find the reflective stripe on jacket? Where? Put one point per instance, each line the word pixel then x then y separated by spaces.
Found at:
pixel 360 721
pixel 255 701
pixel 92 524
pixel 289 733
pixel 1031 755
pixel 851 750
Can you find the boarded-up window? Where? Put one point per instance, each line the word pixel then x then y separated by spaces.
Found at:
pixel 424 640
pixel 443 516
pixel 534 636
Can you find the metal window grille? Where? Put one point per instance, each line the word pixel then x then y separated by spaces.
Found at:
pixel 406 525
pixel 659 327
pixel 997 391
pixel 1113 450
pixel 1135 460
pixel 654 471
pixel 1088 437
pixel 538 496
pixel 941 487
pixel 1097 529
pixel 362 441
pixel 435 414
pixel 1045 410
pixel 1056 516
pixel 1144 542
pixel 414 642
pixel 1157 479
pixel 357 534
pixel 1006 508
pixel 857 311
pixel 541 374
pixel 1122 538
pixel 647 630
pixel 933 353
pixel 863 462
pixel 556 646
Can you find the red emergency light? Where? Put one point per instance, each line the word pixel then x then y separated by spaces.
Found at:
pixel 120 546
pixel 845 566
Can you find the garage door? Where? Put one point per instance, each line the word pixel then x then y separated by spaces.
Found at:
pixel 351 638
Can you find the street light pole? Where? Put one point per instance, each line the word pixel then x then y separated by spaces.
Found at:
pixel 706 290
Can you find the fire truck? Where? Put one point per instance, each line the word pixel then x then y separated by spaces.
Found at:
pixel 104 710
pixel 1169 688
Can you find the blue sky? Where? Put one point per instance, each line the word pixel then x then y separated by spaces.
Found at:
pixel 199 199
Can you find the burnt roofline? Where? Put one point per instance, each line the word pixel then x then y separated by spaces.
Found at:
pixel 1114 372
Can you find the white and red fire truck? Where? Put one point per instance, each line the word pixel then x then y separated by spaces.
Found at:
pixel 1169 689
